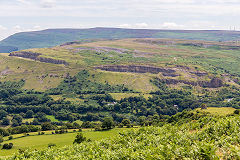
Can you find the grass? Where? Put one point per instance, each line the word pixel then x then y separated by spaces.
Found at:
pixel 29 120
pixel 137 82
pixel 74 100
pixel 221 111
pixel 35 141
pixel 52 118
pixel 119 96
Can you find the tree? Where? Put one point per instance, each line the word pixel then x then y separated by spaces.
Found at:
pixel 2 114
pixel 5 121
pixel 87 124
pixel 126 122
pixel 35 122
pixel 203 106
pixel 47 126
pixel 1 139
pixel 107 123
pixel 18 118
pixel 142 120
pixel 76 125
pixel 3 132
pixel 15 123
pixel 7 146
pixel 29 114
pixel 79 138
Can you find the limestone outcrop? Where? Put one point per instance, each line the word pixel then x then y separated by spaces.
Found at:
pixel 136 69
pixel 35 56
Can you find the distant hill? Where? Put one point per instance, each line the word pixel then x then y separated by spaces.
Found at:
pixel 53 37
pixel 6 49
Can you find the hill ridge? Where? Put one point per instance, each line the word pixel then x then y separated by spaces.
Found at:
pixel 52 37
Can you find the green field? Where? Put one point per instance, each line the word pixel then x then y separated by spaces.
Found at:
pixel 119 96
pixel 35 141
pixel 221 111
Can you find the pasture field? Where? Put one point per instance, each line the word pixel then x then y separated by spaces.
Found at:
pixel 35 141
pixel 119 96
pixel 221 111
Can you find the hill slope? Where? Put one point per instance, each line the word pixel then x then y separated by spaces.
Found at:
pixel 53 37
pixel 132 62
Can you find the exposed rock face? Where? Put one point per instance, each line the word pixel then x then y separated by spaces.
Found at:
pixel 200 74
pixel 156 41
pixel 214 83
pixel 29 55
pixel 103 49
pixel 35 56
pixel 50 60
pixel 6 72
pixel 170 74
pixel 216 46
pixel 136 69
pixel 197 45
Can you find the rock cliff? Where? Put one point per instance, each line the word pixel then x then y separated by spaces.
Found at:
pixel 35 56
pixel 136 69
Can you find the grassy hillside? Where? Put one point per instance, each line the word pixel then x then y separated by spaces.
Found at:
pixel 53 37
pixel 191 61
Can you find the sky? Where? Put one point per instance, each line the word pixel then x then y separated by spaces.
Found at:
pixel 31 15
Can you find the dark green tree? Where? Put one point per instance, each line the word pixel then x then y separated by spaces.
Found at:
pixel 15 123
pixel 29 114
pixel 107 123
pixel 47 126
pixel 2 114
pixel 5 121
pixel 79 138
pixel 126 122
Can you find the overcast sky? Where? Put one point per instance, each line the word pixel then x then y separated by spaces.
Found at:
pixel 28 15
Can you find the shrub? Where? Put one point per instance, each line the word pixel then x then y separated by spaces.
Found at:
pixel 126 122
pixel 7 146
pixel 98 128
pixel 236 111
pixel 51 145
pixel 120 125
pixel 79 138
pixel 1 139
pixel 10 137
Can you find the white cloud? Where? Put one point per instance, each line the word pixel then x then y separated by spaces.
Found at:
pixel 172 25
pixel 157 14
pixel 2 27
pixel 137 25
pixel 141 25
pixel 48 3
pixel 124 25
pixel 37 27
pixel 26 2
